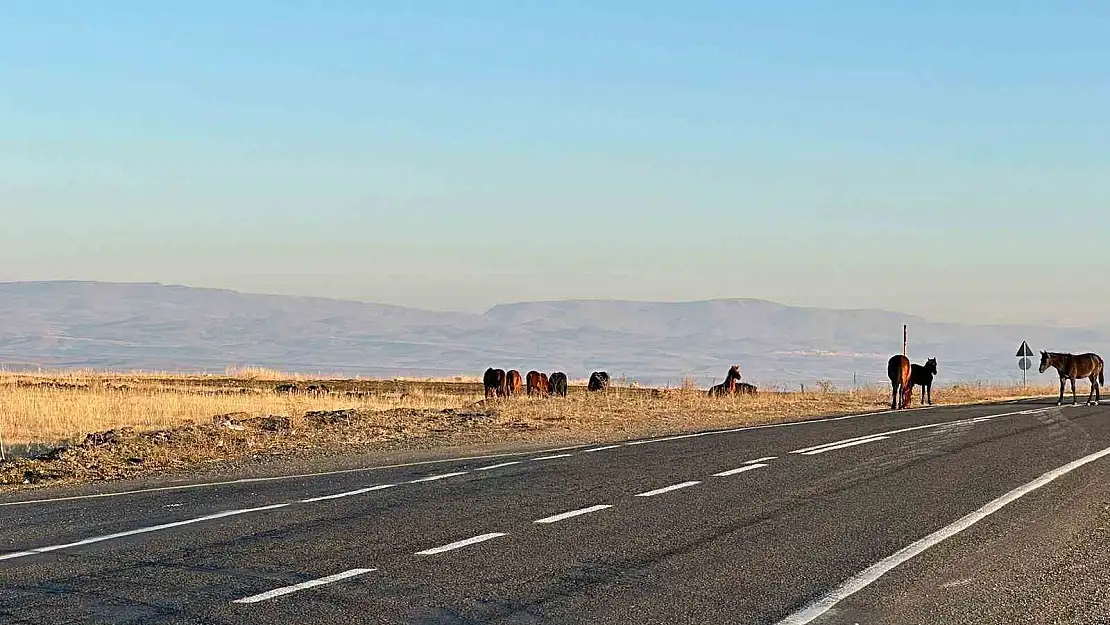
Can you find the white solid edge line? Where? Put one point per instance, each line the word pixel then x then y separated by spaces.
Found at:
pixel 864 578
pixel 277 592
pixel 433 478
pixel 758 460
pixel 572 514
pixel 498 466
pixel 542 458
pixel 141 530
pixel 349 493
pixel 667 489
pixel 590 451
pixel 462 543
pixel 846 445
pixel 743 469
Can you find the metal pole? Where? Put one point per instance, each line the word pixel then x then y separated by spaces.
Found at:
pixel 905 337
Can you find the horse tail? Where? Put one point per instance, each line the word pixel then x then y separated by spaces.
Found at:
pixel 1101 368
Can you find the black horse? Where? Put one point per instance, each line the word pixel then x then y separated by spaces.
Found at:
pixel 558 384
pixel 922 375
pixel 494 382
pixel 599 381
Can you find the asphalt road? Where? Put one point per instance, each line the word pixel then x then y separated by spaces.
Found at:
pixel 745 526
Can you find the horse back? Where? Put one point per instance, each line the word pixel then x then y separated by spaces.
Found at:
pixel 898 369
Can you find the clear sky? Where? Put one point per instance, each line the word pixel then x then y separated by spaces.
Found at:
pixel 950 159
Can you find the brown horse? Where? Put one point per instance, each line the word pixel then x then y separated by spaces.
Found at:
pixel 536 383
pixel 901 391
pixel 513 382
pixel 732 384
pixel 1072 366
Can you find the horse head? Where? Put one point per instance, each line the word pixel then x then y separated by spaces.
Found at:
pixel 931 366
pixel 1044 361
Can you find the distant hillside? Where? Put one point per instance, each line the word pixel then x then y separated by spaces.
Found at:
pixel 153 326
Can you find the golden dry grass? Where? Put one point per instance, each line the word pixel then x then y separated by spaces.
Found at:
pixel 50 409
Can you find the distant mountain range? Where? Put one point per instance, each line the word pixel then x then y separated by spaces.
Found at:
pixel 174 328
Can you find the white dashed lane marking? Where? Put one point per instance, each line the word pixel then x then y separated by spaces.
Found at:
pixel 573 513
pixel 590 451
pixel 277 592
pixel 874 439
pixel 743 469
pixel 460 544
pixel 434 478
pixel 758 460
pixel 349 493
pixel 667 489
pixel 555 457
pixel 498 466
pixel 141 530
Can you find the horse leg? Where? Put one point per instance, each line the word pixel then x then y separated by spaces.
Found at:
pixel 1060 401
pixel 1074 401
pixel 1090 396
pixel 893 395
pixel 929 388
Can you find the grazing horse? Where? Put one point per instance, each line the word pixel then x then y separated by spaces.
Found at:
pixel 285 388
pixel 599 381
pixel 898 370
pixel 728 387
pixel 1072 366
pixel 922 375
pixel 494 381
pixel 536 383
pixel 558 384
pixel 513 382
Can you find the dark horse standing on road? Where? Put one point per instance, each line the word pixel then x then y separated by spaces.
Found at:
pixel 1072 366
pixel 922 375
pixel 898 370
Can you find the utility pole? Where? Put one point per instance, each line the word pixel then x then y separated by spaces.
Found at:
pixel 905 339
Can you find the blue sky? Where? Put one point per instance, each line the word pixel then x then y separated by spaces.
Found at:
pixel 945 160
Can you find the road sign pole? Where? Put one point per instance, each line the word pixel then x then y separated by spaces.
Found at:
pixel 905 340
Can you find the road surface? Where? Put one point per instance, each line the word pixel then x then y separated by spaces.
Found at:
pixel 978 514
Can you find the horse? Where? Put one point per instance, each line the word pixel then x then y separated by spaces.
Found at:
pixel 728 387
pixel 537 383
pixel 494 382
pixel 558 384
pixel 599 381
pixel 922 375
pixel 513 382
pixel 1072 366
pixel 898 370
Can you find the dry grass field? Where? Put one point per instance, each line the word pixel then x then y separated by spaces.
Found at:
pixel 158 422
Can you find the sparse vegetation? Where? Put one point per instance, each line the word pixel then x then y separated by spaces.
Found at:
pixel 160 422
